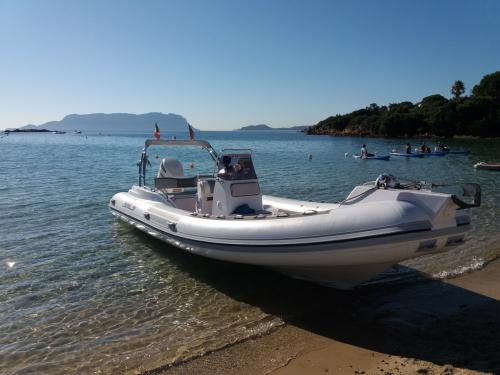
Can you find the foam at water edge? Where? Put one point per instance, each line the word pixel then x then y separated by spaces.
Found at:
pixel 474 265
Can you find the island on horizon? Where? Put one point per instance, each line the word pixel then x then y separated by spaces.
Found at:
pixel 111 122
pixel 264 127
pixel 33 131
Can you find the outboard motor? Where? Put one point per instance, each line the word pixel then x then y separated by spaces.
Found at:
pixel 236 189
pixel 170 167
pixel 385 181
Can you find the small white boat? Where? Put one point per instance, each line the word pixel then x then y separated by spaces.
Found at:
pixel 489 166
pixel 224 216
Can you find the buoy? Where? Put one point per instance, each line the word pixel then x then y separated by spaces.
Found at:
pixel 310 157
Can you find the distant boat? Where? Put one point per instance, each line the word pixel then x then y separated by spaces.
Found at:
pixel 77 132
pixel 488 166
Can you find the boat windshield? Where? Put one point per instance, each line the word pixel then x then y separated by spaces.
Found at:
pixel 237 167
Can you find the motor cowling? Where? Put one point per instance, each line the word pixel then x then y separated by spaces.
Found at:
pixel 385 181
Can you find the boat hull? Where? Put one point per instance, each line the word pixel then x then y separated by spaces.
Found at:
pixel 342 264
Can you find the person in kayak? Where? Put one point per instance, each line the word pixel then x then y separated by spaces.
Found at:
pixel 408 148
pixel 425 149
pixel 364 152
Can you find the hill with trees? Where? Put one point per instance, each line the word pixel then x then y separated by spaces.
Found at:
pixel 475 115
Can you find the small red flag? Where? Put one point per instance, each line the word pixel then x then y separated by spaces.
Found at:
pixel 157 131
pixel 191 132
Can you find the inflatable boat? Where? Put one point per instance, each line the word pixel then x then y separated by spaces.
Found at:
pixel 224 215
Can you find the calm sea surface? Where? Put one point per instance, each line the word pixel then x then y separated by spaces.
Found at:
pixel 83 293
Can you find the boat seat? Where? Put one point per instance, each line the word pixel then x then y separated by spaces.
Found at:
pixel 205 196
pixel 175 183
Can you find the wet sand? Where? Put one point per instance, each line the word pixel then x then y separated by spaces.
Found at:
pixel 426 327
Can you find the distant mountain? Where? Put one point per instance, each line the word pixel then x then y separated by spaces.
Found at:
pixel 261 127
pixel 117 122
pixel 256 127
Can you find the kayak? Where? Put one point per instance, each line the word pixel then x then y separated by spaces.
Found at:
pixel 488 166
pixel 433 153
pixel 374 157
pixel 457 152
pixel 408 155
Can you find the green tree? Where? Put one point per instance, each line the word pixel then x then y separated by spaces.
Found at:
pixel 397 124
pixel 489 86
pixel 438 114
pixel 478 116
pixel 457 89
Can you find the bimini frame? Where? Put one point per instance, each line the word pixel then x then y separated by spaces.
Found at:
pixel 171 142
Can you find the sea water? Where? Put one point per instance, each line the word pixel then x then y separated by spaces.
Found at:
pixel 81 292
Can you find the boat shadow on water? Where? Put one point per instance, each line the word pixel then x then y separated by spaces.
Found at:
pixel 419 318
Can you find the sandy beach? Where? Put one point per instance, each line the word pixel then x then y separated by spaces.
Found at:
pixel 426 327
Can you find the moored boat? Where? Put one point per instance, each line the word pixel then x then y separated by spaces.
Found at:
pixel 223 215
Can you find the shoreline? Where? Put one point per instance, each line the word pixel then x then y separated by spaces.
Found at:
pixel 429 327
pixel 418 136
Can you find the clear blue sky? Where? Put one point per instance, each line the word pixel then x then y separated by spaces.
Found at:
pixel 225 64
